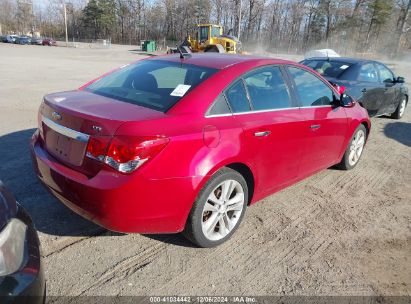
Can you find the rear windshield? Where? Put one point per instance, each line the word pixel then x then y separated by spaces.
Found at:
pixel 154 84
pixel 327 68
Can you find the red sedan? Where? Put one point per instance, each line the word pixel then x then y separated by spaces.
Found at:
pixel 173 144
pixel 49 42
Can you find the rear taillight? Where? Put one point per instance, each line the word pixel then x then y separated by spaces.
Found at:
pixel 125 153
pixel 97 147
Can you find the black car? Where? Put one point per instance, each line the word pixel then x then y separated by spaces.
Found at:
pixel 21 274
pixel 370 82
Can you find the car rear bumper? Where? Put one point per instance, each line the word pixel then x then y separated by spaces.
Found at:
pixel 115 201
pixel 27 285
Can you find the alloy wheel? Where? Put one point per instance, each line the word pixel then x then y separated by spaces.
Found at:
pixel 356 148
pixel 401 110
pixel 222 210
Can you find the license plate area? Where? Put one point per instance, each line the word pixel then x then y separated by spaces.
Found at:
pixel 64 148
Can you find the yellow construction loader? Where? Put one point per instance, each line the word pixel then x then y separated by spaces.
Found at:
pixel 209 38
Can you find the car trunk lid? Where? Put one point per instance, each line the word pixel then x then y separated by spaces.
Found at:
pixel 68 119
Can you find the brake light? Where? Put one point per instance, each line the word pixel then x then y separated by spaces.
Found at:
pixel 125 153
pixel 97 147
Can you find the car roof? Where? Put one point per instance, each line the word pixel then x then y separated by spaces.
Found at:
pixel 350 60
pixel 217 60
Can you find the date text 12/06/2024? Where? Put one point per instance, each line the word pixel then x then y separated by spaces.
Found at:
pixel 205 299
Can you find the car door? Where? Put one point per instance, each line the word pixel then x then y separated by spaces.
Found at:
pixel 372 90
pixel 326 125
pixel 392 89
pixel 262 104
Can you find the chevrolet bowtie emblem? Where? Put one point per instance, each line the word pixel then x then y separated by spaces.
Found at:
pixel 56 116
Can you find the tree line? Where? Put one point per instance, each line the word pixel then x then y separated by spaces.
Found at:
pixel 292 26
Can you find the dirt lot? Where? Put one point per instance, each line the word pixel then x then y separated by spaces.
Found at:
pixel 336 233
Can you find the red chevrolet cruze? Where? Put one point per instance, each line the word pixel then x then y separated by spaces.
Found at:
pixel 173 144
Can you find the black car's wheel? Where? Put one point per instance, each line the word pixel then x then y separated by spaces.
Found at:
pixel 354 150
pixel 218 209
pixel 399 112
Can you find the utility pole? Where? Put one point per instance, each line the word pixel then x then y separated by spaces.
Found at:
pixel 33 24
pixel 239 20
pixel 65 21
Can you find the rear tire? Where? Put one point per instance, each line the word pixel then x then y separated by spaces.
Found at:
pixel 218 209
pixel 354 150
pixel 399 112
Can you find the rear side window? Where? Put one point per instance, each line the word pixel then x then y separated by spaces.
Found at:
pixel 327 68
pixel 267 89
pixel 310 89
pixel 154 84
pixel 237 97
pixel 219 106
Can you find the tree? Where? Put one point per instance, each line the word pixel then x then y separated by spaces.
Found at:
pixel 380 11
pixel 400 26
pixel 99 15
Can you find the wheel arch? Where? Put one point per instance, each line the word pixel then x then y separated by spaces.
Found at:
pixel 351 129
pixel 367 127
pixel 241 167
pixel 248 175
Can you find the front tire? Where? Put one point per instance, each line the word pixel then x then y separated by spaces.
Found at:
pixel 399 112
pixel 218 209
pixel 354 150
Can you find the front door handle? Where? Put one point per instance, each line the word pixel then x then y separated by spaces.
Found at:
pixel 262 133
pixel 315 127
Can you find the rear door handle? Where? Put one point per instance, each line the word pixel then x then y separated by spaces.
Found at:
pixel 364 90
pixel 262 133
pixel 315 127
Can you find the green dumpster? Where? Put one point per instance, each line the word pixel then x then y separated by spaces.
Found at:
pixel 149 46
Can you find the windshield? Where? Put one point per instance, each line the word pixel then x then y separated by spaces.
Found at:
pixel 327 68
pixel 215 31
pixel 154 84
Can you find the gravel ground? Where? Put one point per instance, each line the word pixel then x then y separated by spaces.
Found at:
pixel 335 233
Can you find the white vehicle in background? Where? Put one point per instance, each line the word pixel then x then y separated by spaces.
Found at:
pixel 321 53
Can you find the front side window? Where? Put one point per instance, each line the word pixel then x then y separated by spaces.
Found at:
pixel 237 97
pixel 385 74
pixel 155 84
pixel 267 89
pixel 368 73
pixel 203 32
pixel 310 89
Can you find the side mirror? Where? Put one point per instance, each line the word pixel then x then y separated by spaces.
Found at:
pixel 400 80
pixel 389 81
pixel 346 101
